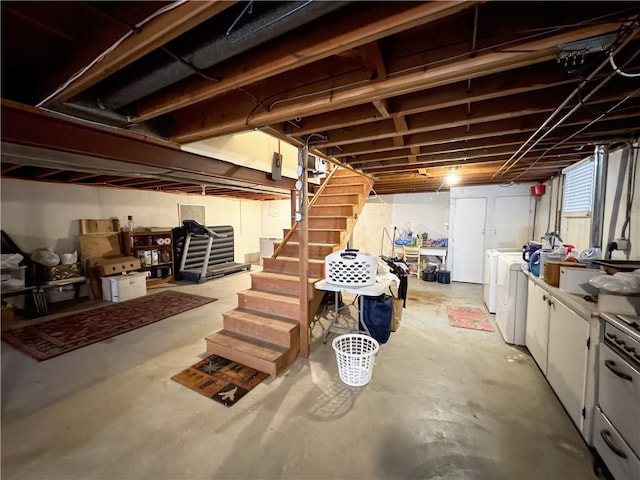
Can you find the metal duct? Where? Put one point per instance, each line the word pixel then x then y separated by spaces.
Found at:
pixel 601 160
pixel 83 111
pixel 146 77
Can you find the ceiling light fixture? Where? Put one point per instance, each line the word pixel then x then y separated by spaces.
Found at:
pixel 452 177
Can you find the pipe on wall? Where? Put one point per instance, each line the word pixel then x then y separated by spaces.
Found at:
pixel 601 160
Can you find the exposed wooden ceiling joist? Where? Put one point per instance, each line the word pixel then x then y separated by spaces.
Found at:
pixel 401 90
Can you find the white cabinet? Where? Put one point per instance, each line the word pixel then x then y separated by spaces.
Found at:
pixel 537 330
pixel 558 338
pixel 567 358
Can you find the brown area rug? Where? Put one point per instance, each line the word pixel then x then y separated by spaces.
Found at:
pixel 468 317
pixel 50 339
pixel 220 379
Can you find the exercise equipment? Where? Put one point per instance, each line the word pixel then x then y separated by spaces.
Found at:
pixel 204 253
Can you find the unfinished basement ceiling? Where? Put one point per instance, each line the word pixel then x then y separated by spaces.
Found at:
pixel 406 91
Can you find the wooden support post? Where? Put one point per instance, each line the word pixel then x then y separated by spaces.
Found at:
pixel 303 234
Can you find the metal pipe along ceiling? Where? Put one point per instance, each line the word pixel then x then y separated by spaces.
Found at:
pixel 240 36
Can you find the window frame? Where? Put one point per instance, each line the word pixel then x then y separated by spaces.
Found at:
pixel 567 176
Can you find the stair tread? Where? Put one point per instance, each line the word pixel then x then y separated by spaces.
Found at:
pixel 266 319
pixel 248 345
pixel 284 276
pixel 278 297
pixel 326 229
pixel 312 244
pixel 296 259
pixel 359 184
pixel 337 194
pixel 332 205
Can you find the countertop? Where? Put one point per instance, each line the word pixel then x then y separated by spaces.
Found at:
pixel 576 303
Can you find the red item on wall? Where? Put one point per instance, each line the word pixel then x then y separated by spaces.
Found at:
pixel 538 190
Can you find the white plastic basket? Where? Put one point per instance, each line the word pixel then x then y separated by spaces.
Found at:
pixel 350 268
pixel 355 354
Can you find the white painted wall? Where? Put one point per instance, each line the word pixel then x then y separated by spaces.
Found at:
pixel 491 193
pixel 422 212
pixel 45 215
pixel 251 149
pixel 546 209
pixel 275 217
pixel 577 231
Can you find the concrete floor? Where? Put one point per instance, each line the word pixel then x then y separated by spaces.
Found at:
pixel 444 402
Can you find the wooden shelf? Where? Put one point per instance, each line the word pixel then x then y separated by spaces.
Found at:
pixel 150 239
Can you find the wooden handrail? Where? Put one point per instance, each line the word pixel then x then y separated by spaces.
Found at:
pixel 293 228
pixel 295 224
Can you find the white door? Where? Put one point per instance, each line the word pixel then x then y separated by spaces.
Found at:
pixel 512 218
pixel 567 358
pixel 467 237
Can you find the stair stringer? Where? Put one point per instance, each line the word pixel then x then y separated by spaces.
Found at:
pixel 274 352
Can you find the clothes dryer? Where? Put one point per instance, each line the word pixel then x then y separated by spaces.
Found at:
pixel 490 274
pixel 511 299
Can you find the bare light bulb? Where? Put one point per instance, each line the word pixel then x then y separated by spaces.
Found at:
pixel 452 178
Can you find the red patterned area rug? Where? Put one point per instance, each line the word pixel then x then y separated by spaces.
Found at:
pixel 220 379
pixel 468 317
pixel 50 339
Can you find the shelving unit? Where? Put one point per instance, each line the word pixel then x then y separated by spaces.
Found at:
pixel 138 242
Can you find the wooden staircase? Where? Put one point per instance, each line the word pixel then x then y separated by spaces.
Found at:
pixel 263 332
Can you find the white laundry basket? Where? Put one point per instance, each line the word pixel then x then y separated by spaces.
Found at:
pixel 351 268
pixel 355 354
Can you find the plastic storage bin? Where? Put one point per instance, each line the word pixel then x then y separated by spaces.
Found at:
pixel 12 278
pixel 355 354
pixel 351 268
pixel 119 288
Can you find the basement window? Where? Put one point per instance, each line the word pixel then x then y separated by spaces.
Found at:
pixel 578 189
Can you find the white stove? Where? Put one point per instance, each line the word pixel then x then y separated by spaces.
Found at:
pixel 617 418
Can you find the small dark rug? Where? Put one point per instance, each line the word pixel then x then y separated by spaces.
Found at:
pixel 50 339
pixel 220 379
pixel 468 317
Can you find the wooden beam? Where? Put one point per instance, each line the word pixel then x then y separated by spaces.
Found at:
pixel 317 41
pixel 36 23
pixel 484 88
pixel 7 168
pixel 77 176
pixel 480 131
pixel 382 106
pixel 154 34
pixel 373 60
pixel 487 111
pixel 206 121
pixel 24 125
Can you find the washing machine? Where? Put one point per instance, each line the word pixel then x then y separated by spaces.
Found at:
pixel 511 299
pixel 491 271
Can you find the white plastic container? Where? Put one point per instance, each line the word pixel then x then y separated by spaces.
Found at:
pixel 351 268
pixel 576 280
pixel 119 288
pixel 12 278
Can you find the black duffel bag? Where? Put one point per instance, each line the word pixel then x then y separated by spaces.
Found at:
pixel 377 313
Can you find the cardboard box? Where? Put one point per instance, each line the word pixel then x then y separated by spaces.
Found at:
pixel 619 304
pixel 119 288
pixel 8 313
pixel 113 266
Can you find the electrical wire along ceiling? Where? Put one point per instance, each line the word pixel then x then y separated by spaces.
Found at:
pixel 407 92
